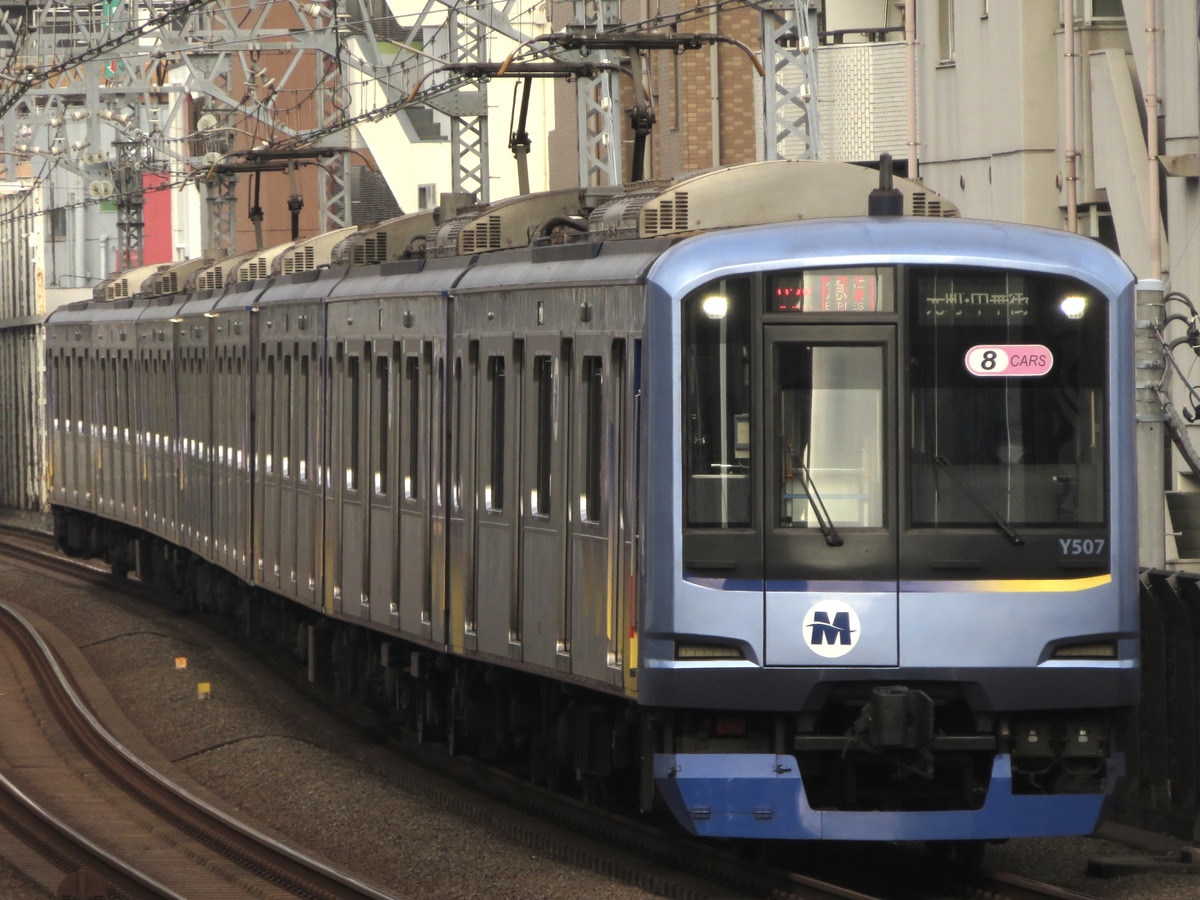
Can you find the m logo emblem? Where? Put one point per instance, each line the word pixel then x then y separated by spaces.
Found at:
pixel 831 629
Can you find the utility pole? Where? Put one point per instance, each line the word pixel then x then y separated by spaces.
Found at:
pixel 1150 425
pixel 131 198
pixel 789 32
pixel 597 99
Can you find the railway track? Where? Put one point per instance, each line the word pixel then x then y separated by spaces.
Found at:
pixel 196 849
pixel 657 860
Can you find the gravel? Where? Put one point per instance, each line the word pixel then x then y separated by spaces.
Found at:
pixel 267 756
pixel 260 749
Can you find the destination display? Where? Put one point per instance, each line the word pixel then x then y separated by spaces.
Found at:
pixel 970 299
pixel 855 290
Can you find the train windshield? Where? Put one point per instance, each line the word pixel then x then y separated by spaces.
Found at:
pixel 1006 400
pixel 976 400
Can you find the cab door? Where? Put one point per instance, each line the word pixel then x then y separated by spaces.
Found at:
pixel 830 537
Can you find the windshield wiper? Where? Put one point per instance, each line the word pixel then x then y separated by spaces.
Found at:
pixel 945 464
pixel 832 538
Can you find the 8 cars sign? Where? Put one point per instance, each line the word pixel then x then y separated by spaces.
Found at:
pixel 1009 360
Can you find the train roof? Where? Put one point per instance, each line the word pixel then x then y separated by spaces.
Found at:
pixel 752 194
pixel 610 262
pixel 312 287
pixel 889 240
pixel 421 278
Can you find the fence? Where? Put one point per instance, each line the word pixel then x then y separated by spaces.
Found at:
pixel 22 385
pixel 1163 752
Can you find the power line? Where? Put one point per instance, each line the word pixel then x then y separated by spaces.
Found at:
pixel 33 77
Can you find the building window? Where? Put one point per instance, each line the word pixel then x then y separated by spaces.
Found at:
pixel 1106 9
pixel 426 196
pixel 56 224
pixel 945 32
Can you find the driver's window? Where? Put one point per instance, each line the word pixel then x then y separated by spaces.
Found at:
pixel 830 430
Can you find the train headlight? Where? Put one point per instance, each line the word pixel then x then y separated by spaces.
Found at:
pixel 1073 306
pixel 716 306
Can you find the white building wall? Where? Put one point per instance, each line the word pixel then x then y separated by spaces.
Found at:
pixel 1180 106
pixel 987 120
pixel 862 102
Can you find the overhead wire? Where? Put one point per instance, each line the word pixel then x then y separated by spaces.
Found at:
pixel 405 56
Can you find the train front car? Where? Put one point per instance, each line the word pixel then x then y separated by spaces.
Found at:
pixel 891 576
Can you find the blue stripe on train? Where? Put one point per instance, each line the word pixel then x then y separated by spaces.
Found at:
pixel 761 796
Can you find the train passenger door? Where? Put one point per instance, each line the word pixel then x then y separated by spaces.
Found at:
pixel 498 625
pixel 412 408
pixel 545 436
pixel 830 500
pixel 289 511
pixel 305 422
pixel 596 592
pixel 462 513
pixel 350 472
pixel 267 461
pixel 433 535
pixel 381 524
pixel 100 434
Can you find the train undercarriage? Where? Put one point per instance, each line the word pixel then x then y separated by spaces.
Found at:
pixel 869 748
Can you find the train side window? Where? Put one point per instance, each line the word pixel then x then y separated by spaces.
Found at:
pixel 239 362
pixel 590 505
pixel 55 391
pixel 68 394
pixel 412 426
pixel 80 395
pixel 438 403
pixel 717 423
pixel 353 391
pixel 383 422
pixel 493 491
pixel 271 413
pixel 285 461
pixel 127 396
pixel 102 365
pixel 302 403
pixel 543 377
pixel 456 445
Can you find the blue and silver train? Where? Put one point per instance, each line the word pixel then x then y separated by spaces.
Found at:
pixel 714 494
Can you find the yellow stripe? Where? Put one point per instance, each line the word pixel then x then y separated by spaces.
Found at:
pixel 1045 585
